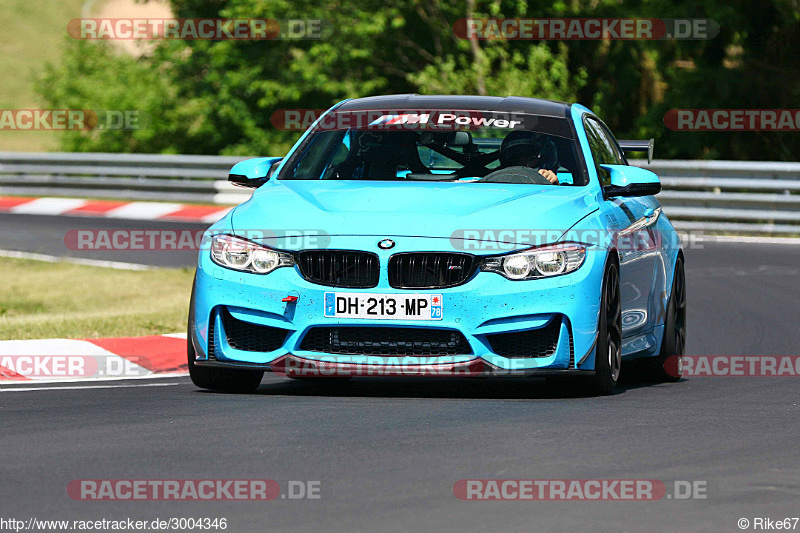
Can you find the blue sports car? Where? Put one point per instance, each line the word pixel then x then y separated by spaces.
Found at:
pixel 414 235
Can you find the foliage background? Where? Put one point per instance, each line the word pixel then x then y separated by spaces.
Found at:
pixel 216 97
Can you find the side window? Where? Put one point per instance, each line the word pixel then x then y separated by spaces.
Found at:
pixel 604 148
pixel 313 156
pixel 620 157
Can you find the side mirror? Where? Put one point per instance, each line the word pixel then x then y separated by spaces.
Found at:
pixel 253 173
pixel 631 181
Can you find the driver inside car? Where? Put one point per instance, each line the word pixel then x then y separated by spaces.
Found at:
pixel 526 157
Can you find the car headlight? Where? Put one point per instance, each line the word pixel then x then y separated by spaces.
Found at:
pixel 535 263
pixel 246 256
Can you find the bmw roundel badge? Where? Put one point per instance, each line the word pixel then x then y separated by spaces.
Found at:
pixel 385 244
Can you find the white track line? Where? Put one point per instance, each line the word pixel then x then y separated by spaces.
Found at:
pixel 60 347
pixel 75 260
pixel 48 206
pixel 213 217
pixel 71 361
pixel 28 389
pixel 89 380
pixel 143 210
pixel 753 240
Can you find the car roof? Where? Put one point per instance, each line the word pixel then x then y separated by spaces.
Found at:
pixel 508 104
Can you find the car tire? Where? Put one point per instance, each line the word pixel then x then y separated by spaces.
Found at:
pixel 218 379
pixel 608 354
pixel 668 364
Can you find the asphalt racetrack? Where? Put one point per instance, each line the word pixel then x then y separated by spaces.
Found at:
pixel 50 235
pixel 387 452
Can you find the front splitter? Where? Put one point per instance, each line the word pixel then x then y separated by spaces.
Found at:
pixel 294 366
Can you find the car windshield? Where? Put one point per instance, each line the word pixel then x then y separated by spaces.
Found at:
pixel 446 146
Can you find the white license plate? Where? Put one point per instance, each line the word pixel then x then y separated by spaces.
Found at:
pixel 383 306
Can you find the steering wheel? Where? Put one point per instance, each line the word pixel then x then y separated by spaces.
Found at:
pixel 525 175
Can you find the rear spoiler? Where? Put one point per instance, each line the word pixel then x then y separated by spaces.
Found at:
pixel 638 146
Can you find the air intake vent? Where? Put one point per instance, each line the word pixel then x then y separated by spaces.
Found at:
pixel 540 342
pixel 339 268
pixel 429 270
pixel 251 337
pixel 386 341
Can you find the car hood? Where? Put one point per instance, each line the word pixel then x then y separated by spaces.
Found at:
pixel 410 209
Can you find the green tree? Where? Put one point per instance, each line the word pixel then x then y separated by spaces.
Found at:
pixel 94 76
pixel 218 96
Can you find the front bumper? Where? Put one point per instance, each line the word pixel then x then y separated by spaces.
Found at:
pixel 488 304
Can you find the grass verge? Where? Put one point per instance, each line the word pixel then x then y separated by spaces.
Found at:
pixel 33 34
pixel 59 300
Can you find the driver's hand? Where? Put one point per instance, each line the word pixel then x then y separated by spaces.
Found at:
pixel 549 175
